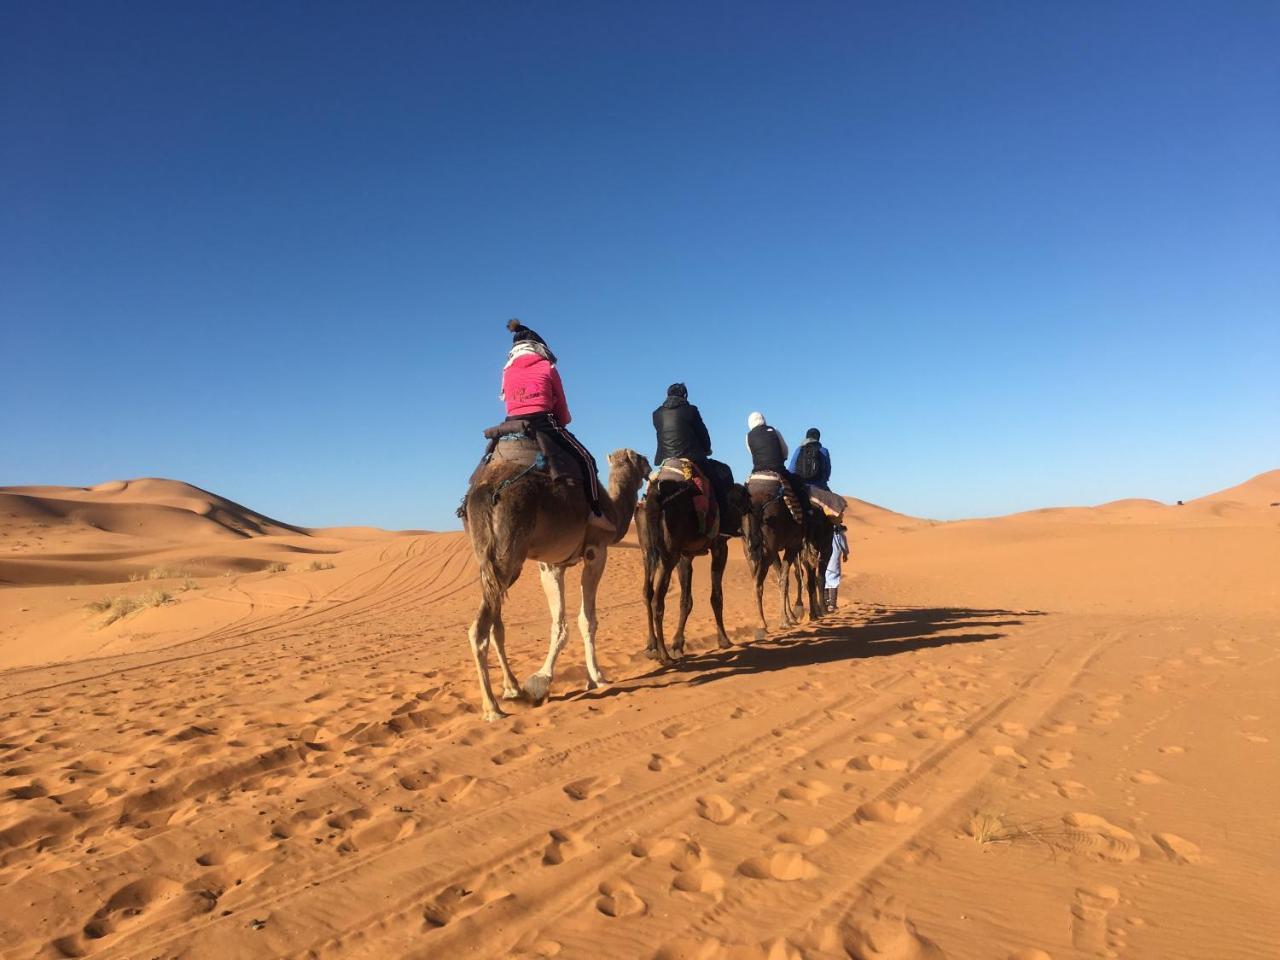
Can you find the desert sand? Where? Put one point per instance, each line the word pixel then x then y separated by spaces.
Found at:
pixel 1048 735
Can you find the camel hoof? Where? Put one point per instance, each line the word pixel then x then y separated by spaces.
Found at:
pixel 537 687
pixel 599 683
pixel 651 653
pixel 761 632
pixel 725 642
pixel 512 693
pixel 494 714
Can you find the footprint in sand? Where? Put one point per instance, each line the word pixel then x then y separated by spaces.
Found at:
pixel 1057 728
pixel 804 836
pixel 1011 729
pixel 706 882
pixel 883 932
pixel 618 899
pixel 1146 777
pixel 934 731
pixel 134 899
pixel 563 846
pixel 659 762
pixel 675 730
pixel 1031 953
pixel 1056 759
pixel 1071 789
pixel 876 761
pixel 877 738
pixel 1173 749
pixel 716 808
pixel 515 753
pixel 1003 752
pixel 805 791
pixel 457 901
pixel 465 787
pixel 680 853
pixel 1089 917
pixel 785 865
pixel 888 811
pixel 419 779
pixel 589 787
pixel 1177 849
pixel 1095 835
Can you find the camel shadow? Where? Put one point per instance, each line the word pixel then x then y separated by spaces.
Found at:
pixel 831 640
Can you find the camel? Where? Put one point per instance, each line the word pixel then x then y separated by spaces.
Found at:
pixel 772 537
pixel 814 556
pixel 667 523
pixel 513 514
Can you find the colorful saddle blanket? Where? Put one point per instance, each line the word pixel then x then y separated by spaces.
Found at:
pixel 704 496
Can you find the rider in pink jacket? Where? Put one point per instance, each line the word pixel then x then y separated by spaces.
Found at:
pixel 531 384
pixel 532 390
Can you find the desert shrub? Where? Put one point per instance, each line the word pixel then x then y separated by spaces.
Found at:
pixel 159 573
pixel 321 564
pixel 117 608
pixel 275 566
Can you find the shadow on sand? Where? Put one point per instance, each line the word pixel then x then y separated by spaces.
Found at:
pixel 834 638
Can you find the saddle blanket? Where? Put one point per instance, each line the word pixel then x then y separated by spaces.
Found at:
pixel 832 504
pixel 704 498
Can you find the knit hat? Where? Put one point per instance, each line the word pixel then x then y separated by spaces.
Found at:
pixel 522 334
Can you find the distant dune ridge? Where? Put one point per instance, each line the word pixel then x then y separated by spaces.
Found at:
pixel 1035 736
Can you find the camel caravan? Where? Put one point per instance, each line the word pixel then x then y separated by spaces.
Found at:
pixel 536 496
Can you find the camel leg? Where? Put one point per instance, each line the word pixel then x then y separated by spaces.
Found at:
pixel 684 569
pixel 762 571
pixel 479 636
pixel 510 685
pixel 662 583
pixel 814 571
pixel 650 584
pixel 784 589
pixel 539 685
pixel 592 571
pixel 719 557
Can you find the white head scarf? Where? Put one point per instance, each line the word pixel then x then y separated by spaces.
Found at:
pixel 755 420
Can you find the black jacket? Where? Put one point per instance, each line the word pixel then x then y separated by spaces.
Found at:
pixel 681 432
pixel 767 449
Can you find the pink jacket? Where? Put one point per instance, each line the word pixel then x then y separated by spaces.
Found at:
pixel 532 385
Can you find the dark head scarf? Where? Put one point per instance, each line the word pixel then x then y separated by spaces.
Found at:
pixel 813 433
pixel 678 390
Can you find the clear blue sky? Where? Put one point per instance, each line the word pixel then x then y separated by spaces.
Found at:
pixel 1005 255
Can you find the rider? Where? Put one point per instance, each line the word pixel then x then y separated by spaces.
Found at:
pixel 683 435
pixel 769 453
pixel 812 461
pixel 533 391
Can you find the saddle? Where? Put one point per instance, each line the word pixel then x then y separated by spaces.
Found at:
pixel 516 442
pixel 766 483
pixel 704 496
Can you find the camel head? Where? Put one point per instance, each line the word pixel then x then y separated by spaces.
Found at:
pixel 627 470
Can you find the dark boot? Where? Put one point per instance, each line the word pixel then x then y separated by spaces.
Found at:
pixel 834 592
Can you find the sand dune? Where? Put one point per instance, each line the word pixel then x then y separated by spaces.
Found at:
pixel 1045 735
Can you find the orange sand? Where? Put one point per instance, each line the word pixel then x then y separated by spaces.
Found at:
pixel 1045 735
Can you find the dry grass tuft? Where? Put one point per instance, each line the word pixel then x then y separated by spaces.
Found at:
pixel 275 566
pixel 159 573
pixel 321 565
pixel 987 826
pixel 117 608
